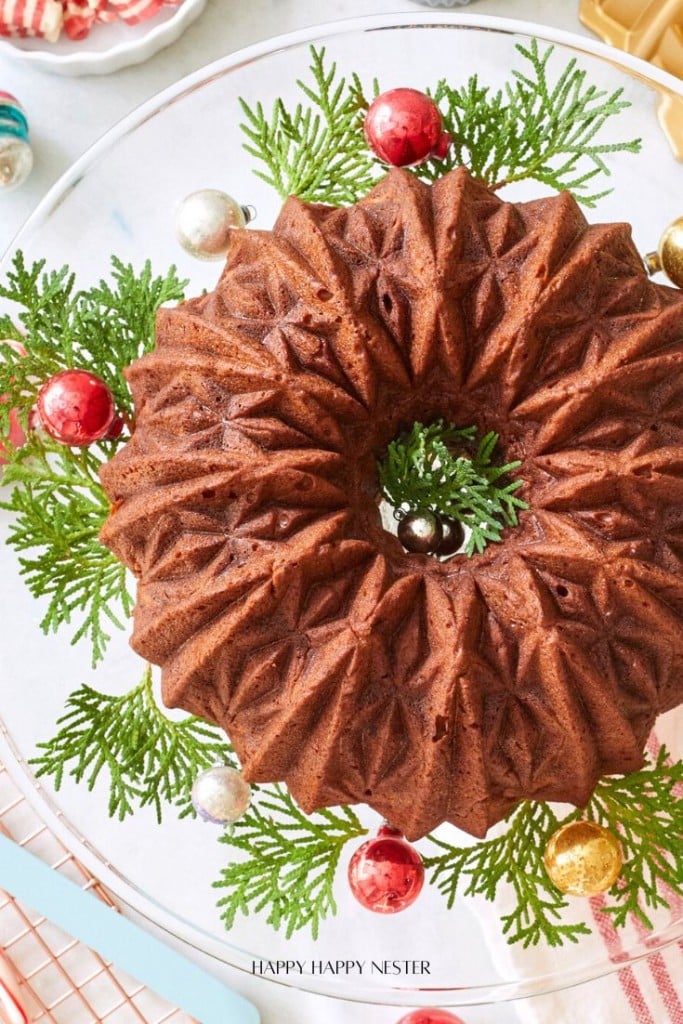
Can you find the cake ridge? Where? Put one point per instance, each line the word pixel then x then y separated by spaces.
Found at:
pixel 341 664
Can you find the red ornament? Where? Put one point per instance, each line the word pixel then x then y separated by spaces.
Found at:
pixel 404 127
pixel 386 874
pixel 430 1017
pixel 75 407
pixel 16 435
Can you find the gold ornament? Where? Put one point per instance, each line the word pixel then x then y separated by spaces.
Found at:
pixel 650 29
pixel 669 255
pixel 583 858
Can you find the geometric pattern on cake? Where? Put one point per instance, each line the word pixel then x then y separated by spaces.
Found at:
pixel 246 503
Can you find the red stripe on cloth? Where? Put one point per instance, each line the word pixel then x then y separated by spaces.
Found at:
pixel 627 979
pixel 666 987
pixel 657 966
pixel 661 973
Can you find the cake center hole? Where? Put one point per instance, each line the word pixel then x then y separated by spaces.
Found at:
pixel 447 490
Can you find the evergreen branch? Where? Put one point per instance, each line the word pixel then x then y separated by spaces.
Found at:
pixel 514 858
pixel 644 809
pixel 57 498
pixel 291 862
pixel 422 472
pixel 149 759
pixel 529 129
pixel 102 329
pixel 59 508
pixel 317 152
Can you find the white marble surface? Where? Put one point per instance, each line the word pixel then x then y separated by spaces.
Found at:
pixel 68 115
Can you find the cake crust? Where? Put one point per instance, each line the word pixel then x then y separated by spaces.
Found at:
pixel 246 503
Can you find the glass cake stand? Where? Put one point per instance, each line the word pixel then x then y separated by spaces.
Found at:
pixel 120 198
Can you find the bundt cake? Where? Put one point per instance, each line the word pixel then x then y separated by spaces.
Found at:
pixel 246 503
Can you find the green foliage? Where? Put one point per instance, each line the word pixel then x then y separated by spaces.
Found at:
pixel 102 329
pixel 534 127
pixel 421 471
pixel 531 128
pixel 514 858
pixel 318 152
pixel 644 809
pixel 59 508
pixel 291 862
pixel 57 498
pixel 148 758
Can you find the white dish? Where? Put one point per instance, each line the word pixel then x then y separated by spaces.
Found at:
pixel 108 48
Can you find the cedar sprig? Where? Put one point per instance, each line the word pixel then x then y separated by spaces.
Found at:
pixel 531 128
pixel 56 495
pixel 290 864
pixel 58 508
pixel 128 742
pixel 441 468
pixel 514 858
pixel 645 809
pixel 536 127
pixel 101 329
pixel 316 152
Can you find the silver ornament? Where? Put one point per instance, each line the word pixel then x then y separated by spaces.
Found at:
pixel 221 795
pixel 420 532
pixel 204 221
pixel 452 536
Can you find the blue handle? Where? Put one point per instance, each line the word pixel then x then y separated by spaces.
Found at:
pixel 115 938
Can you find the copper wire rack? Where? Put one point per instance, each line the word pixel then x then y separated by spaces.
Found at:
pixel 61 981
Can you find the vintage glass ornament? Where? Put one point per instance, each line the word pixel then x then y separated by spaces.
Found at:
pixel 430 1016
pixel 452 536
pixel 669 255
pixel 583 858
pixel 403 127
pixel 75 407
pixel 386 873
pixel 205 220
pixel 420 532
pixel 16 156
pixel 221 795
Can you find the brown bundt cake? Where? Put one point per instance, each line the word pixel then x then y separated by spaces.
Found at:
pixel 246 503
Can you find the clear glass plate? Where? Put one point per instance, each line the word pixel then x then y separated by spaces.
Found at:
pixel 120 198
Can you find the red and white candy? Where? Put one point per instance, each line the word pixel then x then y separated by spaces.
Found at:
pixel 135 11
pixel 42 18
pixel 81 15
pixel 47 19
